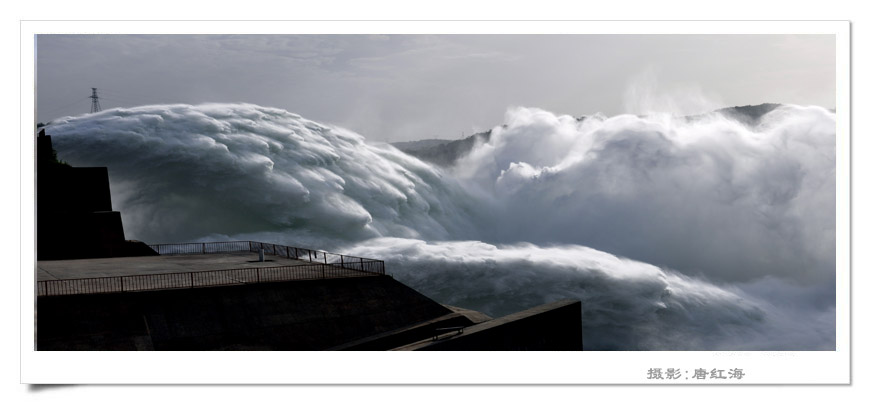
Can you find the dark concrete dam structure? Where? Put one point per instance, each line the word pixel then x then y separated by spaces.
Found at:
pixel 293 315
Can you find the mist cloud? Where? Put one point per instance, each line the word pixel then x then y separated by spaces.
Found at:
pixel 706 196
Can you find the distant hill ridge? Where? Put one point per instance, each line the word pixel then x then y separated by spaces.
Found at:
pixel 445 153
pixel 442 152
pixel 415 145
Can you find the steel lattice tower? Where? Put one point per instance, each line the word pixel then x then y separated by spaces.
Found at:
pixel 95 101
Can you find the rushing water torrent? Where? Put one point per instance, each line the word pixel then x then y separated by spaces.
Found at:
pixel 676 233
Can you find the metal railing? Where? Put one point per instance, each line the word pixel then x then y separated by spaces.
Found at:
pixel 299 253
pixel 332 266
pixel 187 280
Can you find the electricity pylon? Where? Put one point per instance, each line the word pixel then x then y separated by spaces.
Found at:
pixel 95 101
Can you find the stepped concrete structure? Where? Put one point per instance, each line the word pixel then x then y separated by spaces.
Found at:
pixel 74 211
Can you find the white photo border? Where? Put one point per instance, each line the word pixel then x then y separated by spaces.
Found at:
pixel 584 367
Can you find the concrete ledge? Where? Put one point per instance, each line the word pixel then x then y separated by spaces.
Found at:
pixel 413 333
pixel 550 327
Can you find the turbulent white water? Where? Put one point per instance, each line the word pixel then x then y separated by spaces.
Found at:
pixel 735 222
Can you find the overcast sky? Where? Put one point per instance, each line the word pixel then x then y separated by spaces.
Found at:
pixel 403 87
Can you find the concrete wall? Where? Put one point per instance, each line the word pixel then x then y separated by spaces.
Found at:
pixel 300 315
pixel 74 189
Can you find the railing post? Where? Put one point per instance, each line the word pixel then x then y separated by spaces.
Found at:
pixel 342 260
pixel 203 248
pixel 324 257
pixel 122 284
pixel 309 256
pixel 191 280
pixel 323 271
pixel 258 275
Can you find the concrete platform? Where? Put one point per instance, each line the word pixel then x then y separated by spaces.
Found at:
pixel 163 264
